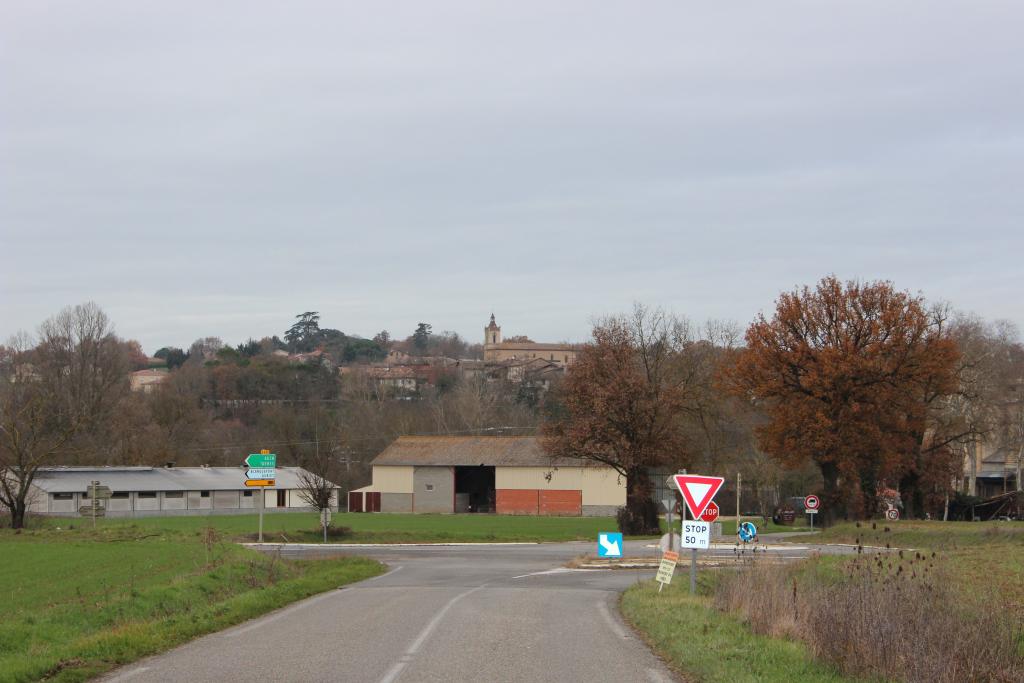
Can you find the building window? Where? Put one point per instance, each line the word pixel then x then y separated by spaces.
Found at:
pixel 430 487
pixel 247 494
pixel 204 494
pixel 63 496
pixel 282 499
pixel 146 494
pixel 174 494
pixel 119 494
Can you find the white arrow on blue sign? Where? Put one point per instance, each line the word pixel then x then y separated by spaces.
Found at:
pixel 609 544
pixel 261 473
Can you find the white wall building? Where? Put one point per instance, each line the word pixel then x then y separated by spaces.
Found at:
pixel 153 491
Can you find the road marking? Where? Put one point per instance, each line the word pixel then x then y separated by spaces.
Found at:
pixel 393 571
pixel 602 607
pixel 128 674
pixel 394 672
pixel 339 546
pixel 274 617
pixel 558 570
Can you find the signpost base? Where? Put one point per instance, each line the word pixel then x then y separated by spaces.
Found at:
pixel 693 571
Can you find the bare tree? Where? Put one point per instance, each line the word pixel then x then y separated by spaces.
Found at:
pixel 50 392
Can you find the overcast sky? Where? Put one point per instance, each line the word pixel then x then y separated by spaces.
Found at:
pixel 215 168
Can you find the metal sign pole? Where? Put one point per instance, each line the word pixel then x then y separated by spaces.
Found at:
pixel 263 504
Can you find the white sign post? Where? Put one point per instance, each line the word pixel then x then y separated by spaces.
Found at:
pixel 666 569
pixel 696 535
pixel 811 504
pixel 697 490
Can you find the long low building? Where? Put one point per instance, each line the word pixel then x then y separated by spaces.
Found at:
pixel 151 491
pixel 502 474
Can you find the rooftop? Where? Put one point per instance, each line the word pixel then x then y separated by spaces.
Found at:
pixel 77 479
pixel 503 451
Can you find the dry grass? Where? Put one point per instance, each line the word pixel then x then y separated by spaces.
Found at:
pixel 892 616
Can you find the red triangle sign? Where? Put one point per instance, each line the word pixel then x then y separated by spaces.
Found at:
pixel 697 491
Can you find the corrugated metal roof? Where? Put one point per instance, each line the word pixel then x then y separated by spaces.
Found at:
pixel 502 451
pixel 77 479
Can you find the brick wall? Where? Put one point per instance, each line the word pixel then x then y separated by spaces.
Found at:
pixel 561 503
pixel 539 502
pixel 516 501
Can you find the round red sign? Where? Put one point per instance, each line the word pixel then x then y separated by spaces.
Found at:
pixel 811 502
pixel 710 513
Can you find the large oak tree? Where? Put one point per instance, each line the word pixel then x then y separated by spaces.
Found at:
pixel 846 373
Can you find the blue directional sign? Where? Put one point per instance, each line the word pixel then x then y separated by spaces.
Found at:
pixel 609 544
pixel 747 532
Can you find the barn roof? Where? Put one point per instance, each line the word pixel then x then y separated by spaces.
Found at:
pixel 77 479
pixel 499 451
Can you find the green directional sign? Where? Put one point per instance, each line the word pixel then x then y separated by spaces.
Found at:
pixel 261 460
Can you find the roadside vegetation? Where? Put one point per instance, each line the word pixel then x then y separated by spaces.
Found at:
pixel 705 644
pixel 79 602
pixel 944 604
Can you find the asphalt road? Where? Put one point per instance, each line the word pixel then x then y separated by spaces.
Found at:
pixel 442 613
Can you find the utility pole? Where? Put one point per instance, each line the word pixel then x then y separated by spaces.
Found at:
pixel 739 489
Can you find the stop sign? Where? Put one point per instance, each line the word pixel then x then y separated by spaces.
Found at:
pixel 710 513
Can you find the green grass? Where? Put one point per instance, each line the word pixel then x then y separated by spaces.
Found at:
pixel 976 555
pixel 376 528
pixel 703 644
pixel 78 603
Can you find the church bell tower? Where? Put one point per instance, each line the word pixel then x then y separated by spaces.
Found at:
pixel 492 333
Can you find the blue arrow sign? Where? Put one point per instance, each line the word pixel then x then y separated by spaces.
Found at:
pixel 260 473
pixel 609 544
pixel 747 532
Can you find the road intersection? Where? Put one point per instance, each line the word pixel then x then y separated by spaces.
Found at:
pixel 476 612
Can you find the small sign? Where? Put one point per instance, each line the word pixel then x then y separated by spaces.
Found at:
pixel 252 483
pixel 261 473
pixel 609 544
pixel 811 511
pixel 90 511
pixel 696 535
pixel 710 513
pixel 669 504
pixel 667 567
pixel 747 532
pixel 787 515
pixel 261 460
pixel 812 503
pixel 892 514
pixel 697 490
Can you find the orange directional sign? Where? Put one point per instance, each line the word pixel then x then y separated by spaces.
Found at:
pixel 259 482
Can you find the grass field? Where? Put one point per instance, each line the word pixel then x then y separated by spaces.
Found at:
pixel 390 528
pixel 704 644
pixel 79 602
pixel 374 528
pixel 980 558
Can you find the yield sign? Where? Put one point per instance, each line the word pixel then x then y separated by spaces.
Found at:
pixel 697 490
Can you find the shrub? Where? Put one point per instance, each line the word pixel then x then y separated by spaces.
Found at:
pixel 889 616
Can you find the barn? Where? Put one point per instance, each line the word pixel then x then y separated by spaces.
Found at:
pixel 151 491
pixel 507 475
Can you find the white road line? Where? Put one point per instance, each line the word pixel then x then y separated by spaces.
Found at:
pixel 559 570
pixel 128 674
pixel 283 613
pixel 395 670
pixel 602 607
pixel 340 546
pixel 381 576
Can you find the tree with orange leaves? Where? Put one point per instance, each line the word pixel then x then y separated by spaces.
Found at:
pixel 621 404
pixel 843 371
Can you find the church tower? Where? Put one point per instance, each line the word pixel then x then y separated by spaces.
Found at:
pixel 492 333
